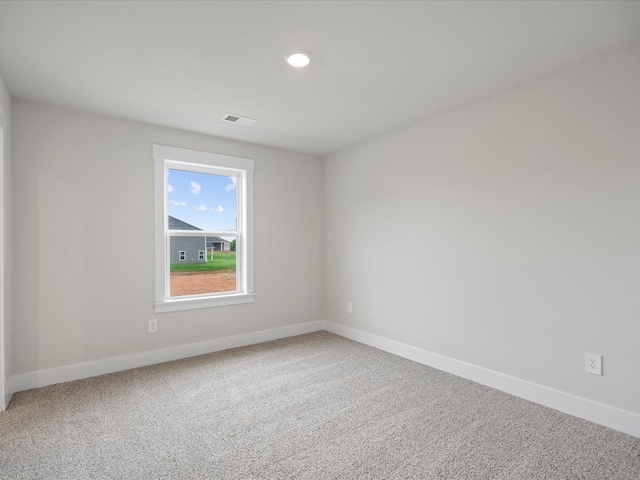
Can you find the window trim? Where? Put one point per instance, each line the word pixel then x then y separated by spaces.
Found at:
pixel 201 255
pixel 182 254
pixel 204 162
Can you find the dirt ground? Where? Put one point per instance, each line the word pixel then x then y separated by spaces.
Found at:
pixel 194 283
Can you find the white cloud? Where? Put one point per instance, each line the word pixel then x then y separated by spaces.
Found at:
pixel 195 187
pixel 202 208
pixel 169 188
pixel 218 209
pixel 232 185
pixel 177 204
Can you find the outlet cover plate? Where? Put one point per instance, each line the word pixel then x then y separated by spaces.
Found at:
pixel 153 326
pixel 593 363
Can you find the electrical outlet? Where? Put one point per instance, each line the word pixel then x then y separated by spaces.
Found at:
pixel 153 325
pixel 593 363
pixel 349 307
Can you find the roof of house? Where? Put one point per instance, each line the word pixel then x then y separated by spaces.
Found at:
pixel 216 240
pixel 176 224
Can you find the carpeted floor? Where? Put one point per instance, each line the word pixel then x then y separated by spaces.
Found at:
pixel 315 406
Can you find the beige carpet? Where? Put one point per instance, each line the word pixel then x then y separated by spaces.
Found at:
pixel 310 407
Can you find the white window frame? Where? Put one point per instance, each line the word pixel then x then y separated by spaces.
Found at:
pixel 166 158
pixel 182 254
pixel 201 255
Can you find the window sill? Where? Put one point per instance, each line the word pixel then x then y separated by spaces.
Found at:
pixel 176 305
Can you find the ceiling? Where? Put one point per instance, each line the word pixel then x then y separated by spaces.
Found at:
pixel 376 66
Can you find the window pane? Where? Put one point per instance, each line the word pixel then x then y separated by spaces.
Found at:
pixel 201 201
pixel 194 274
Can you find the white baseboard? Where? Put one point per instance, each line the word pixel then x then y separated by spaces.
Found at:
pixel 42 378
pixel 606 415
pixel 599 413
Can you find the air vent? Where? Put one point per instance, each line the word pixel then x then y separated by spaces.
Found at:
pixel 238 120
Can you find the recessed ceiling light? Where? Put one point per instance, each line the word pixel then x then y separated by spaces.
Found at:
pixel 298 60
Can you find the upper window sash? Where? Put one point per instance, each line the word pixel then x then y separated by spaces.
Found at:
pixel 239 174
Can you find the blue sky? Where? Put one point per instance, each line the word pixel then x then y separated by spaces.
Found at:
pixel 203 200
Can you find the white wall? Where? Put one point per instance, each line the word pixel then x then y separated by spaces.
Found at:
pixel 6 284
pixel 505 234
pixel 84 239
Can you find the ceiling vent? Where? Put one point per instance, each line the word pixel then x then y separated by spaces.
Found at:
pixel 238 120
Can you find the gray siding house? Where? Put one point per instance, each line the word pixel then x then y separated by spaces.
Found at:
pixel 186 249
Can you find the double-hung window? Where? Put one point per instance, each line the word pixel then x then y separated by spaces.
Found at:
pixel 204 229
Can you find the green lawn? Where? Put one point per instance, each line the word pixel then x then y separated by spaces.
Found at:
pixel 220 261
